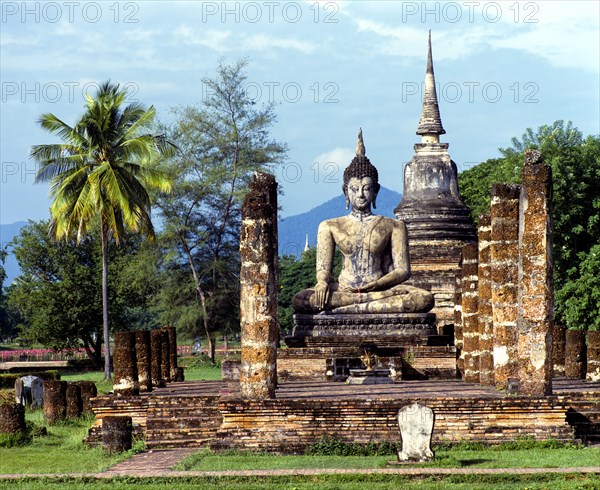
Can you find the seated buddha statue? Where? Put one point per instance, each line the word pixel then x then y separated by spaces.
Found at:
pixel 375 255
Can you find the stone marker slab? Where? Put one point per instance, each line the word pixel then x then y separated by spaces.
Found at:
pixel 416 427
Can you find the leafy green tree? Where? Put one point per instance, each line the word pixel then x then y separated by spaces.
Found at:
pixel 294 276
pixel 222 142
pixel 575 163
pixel 5 324
pixel 58 292
pixel 578 301
pixel 103 170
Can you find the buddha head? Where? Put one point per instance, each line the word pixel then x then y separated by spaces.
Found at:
pixel 361 180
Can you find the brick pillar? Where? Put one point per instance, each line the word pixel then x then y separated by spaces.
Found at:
pixel 258 289
pixel 165 356
pixel 143 356
pixel 156 358
pixel 593 356
pixel 536 278
pixel 575 354
pixel 558 349
pixel 125 380
pixel 504 253
pixel 469 313
pixel 172 332
pixel 484 305
pixel 458 333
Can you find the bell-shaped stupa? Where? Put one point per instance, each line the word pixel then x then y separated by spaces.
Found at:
pixel 437 219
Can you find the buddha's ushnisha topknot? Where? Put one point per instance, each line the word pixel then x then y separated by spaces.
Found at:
pixel 361 166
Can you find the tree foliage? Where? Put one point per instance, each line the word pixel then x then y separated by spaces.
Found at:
pixel 575 163
pixel 578 301
pixel 58 292
pixel 102 170
pixel 222 142
pixel 294 276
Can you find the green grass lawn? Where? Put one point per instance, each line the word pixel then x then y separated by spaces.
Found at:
pixel 323 482
pixel 60 451
pixel 564 457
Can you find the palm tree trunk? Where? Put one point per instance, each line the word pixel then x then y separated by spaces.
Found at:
pixel 104 234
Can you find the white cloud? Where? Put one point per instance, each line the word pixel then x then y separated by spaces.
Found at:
pixel 210 38
pixel 262 42
pixel 340 157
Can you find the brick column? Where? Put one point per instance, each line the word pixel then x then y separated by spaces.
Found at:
pixel 558 349
pixel 504 252
pixel 469 313
pixel 593 356
pixel 575 354
pixel 536 278
pixel 143 357
pixel 458 333
pixel 125 381
pixel 259 289
pixel 484 305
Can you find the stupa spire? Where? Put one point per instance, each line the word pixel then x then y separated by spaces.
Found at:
pixel 360 145
pixel 430 124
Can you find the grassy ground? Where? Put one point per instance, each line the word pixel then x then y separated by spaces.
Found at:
pixel 324 482
pixel 60 451
pixel 196 369
pixel 564 457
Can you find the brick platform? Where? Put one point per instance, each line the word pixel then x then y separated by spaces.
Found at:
pixel 211 413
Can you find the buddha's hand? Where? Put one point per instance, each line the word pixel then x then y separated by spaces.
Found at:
pixel 365 288
pixel 321 294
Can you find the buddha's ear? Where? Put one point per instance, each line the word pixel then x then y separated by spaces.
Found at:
pixel 375 199
pixel 347 201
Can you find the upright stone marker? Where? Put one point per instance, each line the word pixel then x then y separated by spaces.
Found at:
pixel 416 427
pixel 258 289
pixel 504 252
pixel 484 305
pixel 469 313
pixel 536 278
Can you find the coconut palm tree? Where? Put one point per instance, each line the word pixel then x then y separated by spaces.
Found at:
pixel 101 174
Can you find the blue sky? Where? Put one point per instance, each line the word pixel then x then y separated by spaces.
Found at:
pixel 331 67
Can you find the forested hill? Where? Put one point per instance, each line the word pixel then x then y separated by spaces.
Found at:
pixel 293 229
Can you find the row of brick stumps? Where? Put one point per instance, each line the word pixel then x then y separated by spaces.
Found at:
pixel 470 330
pixel 67 400
pixel 259 289
pixel 484 303
pixel 145 359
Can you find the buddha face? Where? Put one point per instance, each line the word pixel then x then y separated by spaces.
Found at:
pixel 361 193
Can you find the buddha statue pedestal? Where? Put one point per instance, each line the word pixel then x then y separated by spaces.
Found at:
pixel 380 329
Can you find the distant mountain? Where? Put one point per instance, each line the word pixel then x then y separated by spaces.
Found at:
pixel 7 233
pixel 293 229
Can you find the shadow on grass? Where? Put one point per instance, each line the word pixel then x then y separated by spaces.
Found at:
pixel 472 462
